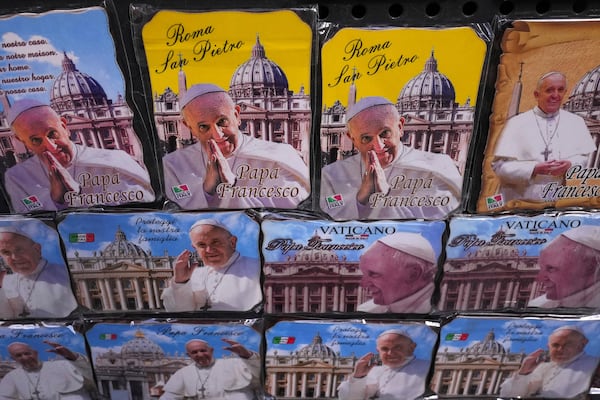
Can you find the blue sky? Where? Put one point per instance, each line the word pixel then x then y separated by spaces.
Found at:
pixel 485 227
pixel 83 34
pixel 35 335
pixel 40 233
pixel 105 225
pixel 517 334
pixel 302 230
pixel 172 337
pixel 360 337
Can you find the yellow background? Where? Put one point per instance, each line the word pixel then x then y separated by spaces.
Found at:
pixel 286 38
pixel 459 52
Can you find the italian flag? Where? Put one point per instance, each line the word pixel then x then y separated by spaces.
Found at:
pixel 108 336
pixel 456 337
pixel 284 340
pixel 81 237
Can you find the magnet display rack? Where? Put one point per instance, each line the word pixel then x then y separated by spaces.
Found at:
pixel 354 13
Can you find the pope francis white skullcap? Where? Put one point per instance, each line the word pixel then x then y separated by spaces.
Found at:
pixel 411 243
pixel 20 106
pixel 208 221
pixel 198 90
pixel 573 328
pixel 364 103
pixel 13 229
pixel 587 235
pixel 400 332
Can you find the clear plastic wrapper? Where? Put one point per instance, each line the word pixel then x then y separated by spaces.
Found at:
pixel 35 282
pixel 70 139
pixel 546 261
pixel 516 357
pixel 44 362
pixel 173 360
pixel 324 266
pixel 542 147
pixel 348 359
pixel 398 116
pixel 164 262
pixel 232 108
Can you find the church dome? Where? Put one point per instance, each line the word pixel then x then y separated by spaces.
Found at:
pixel 317 349
pixel 489 345
pixel 121 247
pixel 586 93
pixel 75 89
pixel 429 89
pixel 142 348
pixel 258 76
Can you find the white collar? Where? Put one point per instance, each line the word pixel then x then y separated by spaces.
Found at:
pixel 541 113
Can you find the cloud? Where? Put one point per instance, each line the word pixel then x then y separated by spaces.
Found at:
pixel 43 46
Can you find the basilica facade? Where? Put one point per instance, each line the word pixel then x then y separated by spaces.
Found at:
pixel 313 281
pixel 138 371
pixel 93 119
pixel 269 110
pixel 477 370
pixel 490 278
pixel 434 121
pixel 314 371
pixel 120 276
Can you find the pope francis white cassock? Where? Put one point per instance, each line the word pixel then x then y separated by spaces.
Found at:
pixel 401 376
pixel 230 378
pixel 62 174
pixel 50 380
pixel 534 137
pixel 44 294
pixel 234 287
pixel 564 374
pixel 226 279
pixel 260 173
pixel 418 184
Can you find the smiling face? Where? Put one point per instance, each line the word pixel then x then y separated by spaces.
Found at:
pixel 379 129
pixel 394 349
pixel 563 272
pixel 24 355
pixel 550 93
pixel 200 352
pixel 565 344
pixel 42 130
pixel 214 116
pixel 390 275
pixel 214 245
pixel 20 253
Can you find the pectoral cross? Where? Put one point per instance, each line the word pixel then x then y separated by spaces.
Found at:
pixel 546 153
pixel 202 390
pixel 35 394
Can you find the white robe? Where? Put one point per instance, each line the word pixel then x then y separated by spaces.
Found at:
pixel 588 297
pixel 59 379
pixel 520 147
pixel 418 302
pixel 404 383
pixel 49 296
pixel 416 177
pixel 236 288
pixel 285 181
pixel 89 165
pixel 550 380
pixel 226 379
